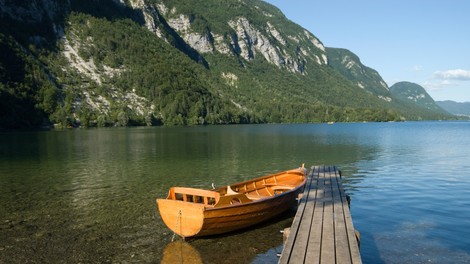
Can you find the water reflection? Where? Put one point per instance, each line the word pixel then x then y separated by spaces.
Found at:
pixel 180 252
pixel 258 244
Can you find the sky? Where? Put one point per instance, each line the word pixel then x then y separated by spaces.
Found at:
pixel 421 41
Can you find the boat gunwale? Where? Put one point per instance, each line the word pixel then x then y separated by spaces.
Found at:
pixel 298 172
pixel 294 171
pixel 261 200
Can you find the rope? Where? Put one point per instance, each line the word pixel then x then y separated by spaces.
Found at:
pixel 178 223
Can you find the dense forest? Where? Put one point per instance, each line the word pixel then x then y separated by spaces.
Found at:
pixel 105 63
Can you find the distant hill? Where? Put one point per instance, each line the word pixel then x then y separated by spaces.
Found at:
pixel 455 108
pixel 172 62
pixel 412 93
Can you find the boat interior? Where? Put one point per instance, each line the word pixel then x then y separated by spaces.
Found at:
pixel 240 193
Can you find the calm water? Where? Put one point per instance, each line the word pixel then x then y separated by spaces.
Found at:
pixel 88 195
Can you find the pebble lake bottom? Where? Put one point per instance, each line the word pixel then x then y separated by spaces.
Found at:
pixel 88 195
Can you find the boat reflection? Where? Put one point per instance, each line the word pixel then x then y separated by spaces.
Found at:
pixel 180 251
pixel 259 244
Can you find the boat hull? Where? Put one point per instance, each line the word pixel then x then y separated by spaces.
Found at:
pixel 184 219
pixel 223 220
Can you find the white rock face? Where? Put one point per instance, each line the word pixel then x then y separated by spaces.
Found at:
pixel 230 78
pixel 135 3
pixel 325 58
pixel 314 41
pixel 245 39
pixel 248 42
pixel 199 42
pixel 162 9
pixel 384 84
pixel 150 15
pixel 87 68
pixel 293 38
pixel 276 34
pixel 220 45
pixel 348 62
pixel 385 98
pixel 100 103
pixel 134 102
pixel 417 97
pixel 251 41
pixel 180 24
pixel 137 103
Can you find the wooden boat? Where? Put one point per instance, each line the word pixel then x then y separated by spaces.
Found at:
pixel 191 212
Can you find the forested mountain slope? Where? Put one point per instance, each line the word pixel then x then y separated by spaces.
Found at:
pixel 154 62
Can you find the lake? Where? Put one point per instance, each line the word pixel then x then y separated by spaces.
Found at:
pixel 88 195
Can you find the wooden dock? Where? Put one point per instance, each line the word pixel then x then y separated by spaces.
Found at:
pixel 322 230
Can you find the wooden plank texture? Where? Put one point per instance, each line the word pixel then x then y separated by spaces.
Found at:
pixel 322 230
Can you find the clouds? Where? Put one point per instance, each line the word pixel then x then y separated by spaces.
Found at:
pixel 457 74
pixel 449 85
pixel 417 68
pixel 434 86
pixel 447 79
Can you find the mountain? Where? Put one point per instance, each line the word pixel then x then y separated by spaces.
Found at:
pixel 456 108
pixel 162 62
pixel 414 94
pixel 350 66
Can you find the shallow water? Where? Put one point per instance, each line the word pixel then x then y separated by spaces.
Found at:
pixel 88 195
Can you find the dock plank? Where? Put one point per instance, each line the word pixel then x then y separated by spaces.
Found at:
pixel 314 242
pixel 289 244
pixel 298 252
pixel 322 230
pixel 341 236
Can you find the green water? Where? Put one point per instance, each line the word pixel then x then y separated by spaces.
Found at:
pixel 88 195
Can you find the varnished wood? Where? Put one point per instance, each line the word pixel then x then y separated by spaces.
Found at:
pixel 322 230
pixel 191 212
